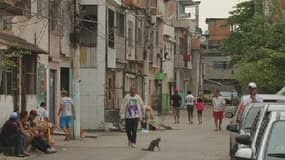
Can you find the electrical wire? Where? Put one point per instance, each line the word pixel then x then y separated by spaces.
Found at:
pixel 42 32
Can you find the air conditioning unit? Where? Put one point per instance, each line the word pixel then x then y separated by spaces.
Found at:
pixel 153 20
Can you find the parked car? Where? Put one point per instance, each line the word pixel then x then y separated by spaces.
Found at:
pixel 243 119
pixel 268 141
pixel 230 97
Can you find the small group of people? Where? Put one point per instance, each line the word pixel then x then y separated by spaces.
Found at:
pixel 23 132
pixel 190 101
pixel 218 107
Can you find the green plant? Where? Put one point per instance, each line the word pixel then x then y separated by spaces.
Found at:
pixel 9 57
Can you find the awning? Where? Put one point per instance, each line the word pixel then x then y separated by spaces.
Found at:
pixel 10 40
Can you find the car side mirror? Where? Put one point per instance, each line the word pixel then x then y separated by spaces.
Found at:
pixel 233 127
pixel 229 115
pixel 243 139
pixel 243 154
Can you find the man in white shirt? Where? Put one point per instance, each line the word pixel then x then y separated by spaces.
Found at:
pixel 67 114
pixel 253 97
pixel 190 106
pixel 218 104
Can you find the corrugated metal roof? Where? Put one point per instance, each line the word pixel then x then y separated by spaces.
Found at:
pixel 13 41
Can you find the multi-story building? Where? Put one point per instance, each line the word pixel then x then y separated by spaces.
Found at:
pixel 217 69
pixel 37 27
pixel 186 56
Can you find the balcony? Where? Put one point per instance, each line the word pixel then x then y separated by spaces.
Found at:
pixel 10 8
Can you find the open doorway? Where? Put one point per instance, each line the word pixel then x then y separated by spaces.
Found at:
pixel 64 79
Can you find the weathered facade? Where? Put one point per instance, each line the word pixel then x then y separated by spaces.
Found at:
pixel 187 56
pixel 45 25
pixel 122 43
pixel 19 85
pixel 93 61
pixel 218 69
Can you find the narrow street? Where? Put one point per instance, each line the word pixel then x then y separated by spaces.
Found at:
pixel 195 142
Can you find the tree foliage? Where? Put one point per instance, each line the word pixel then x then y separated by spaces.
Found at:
pixel 257 45
pixel 9 57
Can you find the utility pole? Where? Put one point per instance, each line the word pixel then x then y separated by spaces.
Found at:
pixel 75 70
pixel 147 47
pixel 161 83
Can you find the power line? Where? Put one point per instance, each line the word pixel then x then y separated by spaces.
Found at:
pixel 41 35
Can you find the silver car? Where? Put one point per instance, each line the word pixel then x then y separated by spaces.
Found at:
pixel 244 117
pixel 268 142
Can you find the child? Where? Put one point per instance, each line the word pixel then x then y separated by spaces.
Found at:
pixel 200 108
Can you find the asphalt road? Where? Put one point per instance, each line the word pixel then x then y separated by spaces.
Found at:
pixel 184 142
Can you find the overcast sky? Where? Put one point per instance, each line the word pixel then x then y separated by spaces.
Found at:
pixel 215 9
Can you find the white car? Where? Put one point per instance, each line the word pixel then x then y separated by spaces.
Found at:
pixel 243 119
pixel 268 141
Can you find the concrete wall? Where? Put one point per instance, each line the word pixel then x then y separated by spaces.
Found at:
pixel 32 102
pixel 6 107
pixel 92 86
pixel 34 29
pixel 216 73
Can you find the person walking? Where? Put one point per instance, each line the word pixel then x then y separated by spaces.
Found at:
pixel 253 97
pixel 190 99
pixel 67 114
pixel 218 105
pixel 200 108
pixel 176 103
pixel 131 111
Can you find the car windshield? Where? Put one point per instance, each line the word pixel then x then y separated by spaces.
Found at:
pixel 252 113
pixel 276 142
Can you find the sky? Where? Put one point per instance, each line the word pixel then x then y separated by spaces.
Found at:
pixel 215 9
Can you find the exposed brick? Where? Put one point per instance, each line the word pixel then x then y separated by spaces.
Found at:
pixel 219 31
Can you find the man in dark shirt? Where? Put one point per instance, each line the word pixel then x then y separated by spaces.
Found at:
pixel 176 103
pixel 10 135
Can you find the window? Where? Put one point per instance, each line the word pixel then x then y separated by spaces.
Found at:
pixel 8 81
pixel 130 80
pixel 26 5
pixel 182 45
pixel 275 144
pixel 42 6
pixel 157 38
pixel 87 57
pixel 260 135
pixel 222 65
pixel 121 25
pixel 139 35
pixel 29 74
pixel 88 28
pixel 111 28
pixel 130 34
pixel 250 117
pixel 54 14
